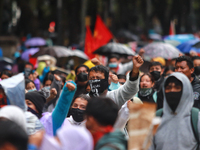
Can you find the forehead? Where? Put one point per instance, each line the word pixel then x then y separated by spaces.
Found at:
pixel 113 59
pixel 80 101
pixel 182 63
pixel 157 66
pixel 81 69
pixel 96 73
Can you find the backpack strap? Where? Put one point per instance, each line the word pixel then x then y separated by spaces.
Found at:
pixel 194 122
pixel 159 112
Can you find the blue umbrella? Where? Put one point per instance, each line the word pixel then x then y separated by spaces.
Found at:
pixel 187 46
pixel 180 37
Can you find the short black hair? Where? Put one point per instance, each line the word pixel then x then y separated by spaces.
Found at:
pixel 28 63
pixel 121 76
pixel 100 68
pixel 48 77
pixel 12 133
pixel 6 72
pixel 195 57
pixel 82 96
pixel 76 70
pixel 149 75
pixel 187 59
pixel 113 56
pixel 155 63
pixel 103 109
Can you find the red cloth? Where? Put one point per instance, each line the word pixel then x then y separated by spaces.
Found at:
pixel 89 43
pixel 102 35
pixel 99 134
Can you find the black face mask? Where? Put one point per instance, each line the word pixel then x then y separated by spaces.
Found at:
pixel 98 86
pixel 197 70
pixel 155 74
pixel 33 112
pixel 173 99
pixel 77 114
pixel 82 77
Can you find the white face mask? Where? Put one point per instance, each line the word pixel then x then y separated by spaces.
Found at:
pixel 47 87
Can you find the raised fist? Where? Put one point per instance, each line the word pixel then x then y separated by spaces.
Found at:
pixel 70 86
pixel 137 61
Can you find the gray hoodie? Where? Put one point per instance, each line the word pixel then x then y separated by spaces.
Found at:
pixel 175 131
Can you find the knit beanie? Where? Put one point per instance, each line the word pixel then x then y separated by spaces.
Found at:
pixel 37 98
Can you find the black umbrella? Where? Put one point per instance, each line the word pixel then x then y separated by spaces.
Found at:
pixel 114 48
pixel 4 61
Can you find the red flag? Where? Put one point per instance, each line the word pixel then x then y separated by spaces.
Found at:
pixel 89 43
pixel 102 35
pixel 172 28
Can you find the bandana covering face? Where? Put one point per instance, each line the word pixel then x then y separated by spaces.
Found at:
pixel 98 86
pixel 145 91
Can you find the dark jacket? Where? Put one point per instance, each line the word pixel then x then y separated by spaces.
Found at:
pixel 112 141
pixel 196 91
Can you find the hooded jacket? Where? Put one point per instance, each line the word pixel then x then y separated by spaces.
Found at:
pixel 112 141
pixel 175 131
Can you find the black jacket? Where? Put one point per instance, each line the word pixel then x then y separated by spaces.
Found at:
pixel 196 90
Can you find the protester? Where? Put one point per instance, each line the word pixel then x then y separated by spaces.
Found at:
pixel 77 110
pixel 121 79
pixel 156 70
pixel 115 65
pixel 14 114
pixel 81 79
pixel 196 61
pixel 146 92
pixel 176 130
pixel 101 114
pixel 48 81
pixel 98 81
pixel 30 85
pixel 5 75
pixel 12 136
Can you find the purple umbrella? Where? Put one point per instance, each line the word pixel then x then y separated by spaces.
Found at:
pixel 31 51
pixel 35 41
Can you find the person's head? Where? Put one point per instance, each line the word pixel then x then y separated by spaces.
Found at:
pixel 29 85
pixel 12 136
pixel 155 69
pixel 184 65
pixel 121 78
pixel 196 62
pixel 35 101
pixel 82 75
pixel 168 70
pixel 113 61
pixel 173 62
pixel 5 74
pixel 48 80
pixel 173 91
pixel 81 69
pixel 98 80
pixel 14 114
pixel 146 81
pixel 63 79
pixel 78 107
pixel 100 112
pixel 29 66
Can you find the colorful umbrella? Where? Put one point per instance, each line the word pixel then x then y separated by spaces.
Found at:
pixel 187 46
pixel 35 41
pixel 25 55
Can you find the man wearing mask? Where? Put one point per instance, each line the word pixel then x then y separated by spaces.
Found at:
pixel 81 79
pixel 98 81
pixel 115 65
pixel 196 61
pixel 156 70
pixel 176 130
pixel 185 65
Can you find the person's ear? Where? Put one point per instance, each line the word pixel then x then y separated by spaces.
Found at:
pixel 192 70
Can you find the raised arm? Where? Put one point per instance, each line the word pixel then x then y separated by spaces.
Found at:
pixel 60 112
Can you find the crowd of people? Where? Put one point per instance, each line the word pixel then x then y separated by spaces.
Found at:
pixel 88 109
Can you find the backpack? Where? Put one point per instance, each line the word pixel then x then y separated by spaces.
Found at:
pixel 194 122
